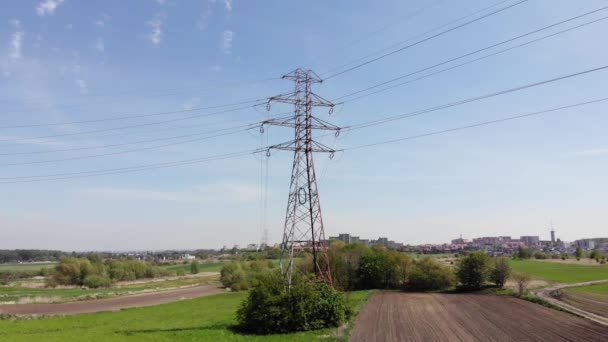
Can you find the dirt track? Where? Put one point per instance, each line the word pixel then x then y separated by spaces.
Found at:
pixel 110 304
pixel 392 316
pixel 596 311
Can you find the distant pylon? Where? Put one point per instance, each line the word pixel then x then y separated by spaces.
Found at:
pixel 303 222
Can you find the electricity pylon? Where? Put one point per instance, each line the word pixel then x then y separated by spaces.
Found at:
pixel 303 222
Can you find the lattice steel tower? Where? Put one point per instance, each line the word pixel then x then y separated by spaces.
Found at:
pixel 303 222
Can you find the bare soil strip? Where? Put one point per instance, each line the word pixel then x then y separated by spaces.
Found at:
pixel 554 296
pixel 393 316
pixel 110 304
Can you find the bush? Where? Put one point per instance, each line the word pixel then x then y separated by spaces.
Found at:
pixel 522 280
pixel 194 267
pixel 501 271
pixel 474 270
pixel 180 272
pixel 430 275
pixel 94 281
pixel 307 305
pixel 243 275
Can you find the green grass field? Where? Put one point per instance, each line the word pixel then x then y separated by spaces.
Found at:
pixel 560 273
pixel 600 290
pixel 16 292
pixel 26 267
pixel 202 267
pixel 204 319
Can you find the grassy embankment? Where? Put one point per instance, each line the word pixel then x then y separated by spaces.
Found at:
pixel 203 319
pixel 26 267
pixel 601 290
pixel 560 273
pixel 202 267
pixel 16 292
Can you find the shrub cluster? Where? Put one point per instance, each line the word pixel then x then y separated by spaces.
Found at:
pixel 476 269
pixel 308 305
pixel 358 267
pixel 93 272
pixel 244 275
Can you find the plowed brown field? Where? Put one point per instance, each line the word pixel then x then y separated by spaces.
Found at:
pixel 392 316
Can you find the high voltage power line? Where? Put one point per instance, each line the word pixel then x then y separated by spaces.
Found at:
pixel 127 127
pixel 133 116
pixel 424 40
pixel 484 123
pixel 473 99
pixel 248 126
pixel 81 174
pixel 414 37
pixel 259 101
pixel 481 50
pixel 351 127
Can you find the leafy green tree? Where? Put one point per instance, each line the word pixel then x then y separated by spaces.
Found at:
pixel 377 270
pixel 474 270
pixel 522 253
pixel 501 271
pixel 271 307
pixel 430 275
pixel 578 253
pixel 194 269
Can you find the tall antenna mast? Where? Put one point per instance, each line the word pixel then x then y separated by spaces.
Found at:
pixel 303 222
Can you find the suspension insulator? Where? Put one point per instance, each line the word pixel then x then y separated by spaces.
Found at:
pixel 302 195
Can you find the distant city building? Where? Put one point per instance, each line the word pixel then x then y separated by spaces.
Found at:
pixel 382 241
pixel 459 241
pixel 585 243
pixel 530 240
pixel 553 236
pixel 251 247
pixel 188 257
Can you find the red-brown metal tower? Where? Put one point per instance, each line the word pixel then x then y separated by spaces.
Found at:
pixel 303 222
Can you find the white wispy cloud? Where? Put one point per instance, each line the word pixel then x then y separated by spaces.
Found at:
pixel 228 5
pixel 207 12
pixel 48 7
pixel 156 25
pixel 32 141
pixel 191 103
pixel 99 45
pixel 16 42
pixel 227 38
pixel 103 19
pixel 594 151
pixel 82 85
pixel 216 67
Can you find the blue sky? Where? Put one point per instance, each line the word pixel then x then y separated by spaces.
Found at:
pixel 66 61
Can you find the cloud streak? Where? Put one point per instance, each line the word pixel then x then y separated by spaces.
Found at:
pixel 228 5
pixel 156 33
pixel 47 7
pixel 99 45
pixel 16 43
pixel 227 38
